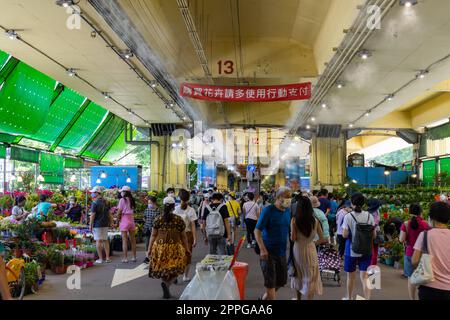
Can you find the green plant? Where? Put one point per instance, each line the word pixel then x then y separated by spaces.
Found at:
pixel 55 257
pixel 31 275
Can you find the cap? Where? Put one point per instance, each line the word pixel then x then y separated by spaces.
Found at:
pixel 315 202
pixel 233 194
pixel 125 188
pixel 347 203
pixel 168 200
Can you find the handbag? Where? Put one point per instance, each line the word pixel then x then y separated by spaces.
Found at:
pixel 292 271
pixel 424 271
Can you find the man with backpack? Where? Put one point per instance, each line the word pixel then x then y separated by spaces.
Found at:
pixel 359 230
pixel 216 223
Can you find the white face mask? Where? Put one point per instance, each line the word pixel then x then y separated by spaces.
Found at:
pixel 171 194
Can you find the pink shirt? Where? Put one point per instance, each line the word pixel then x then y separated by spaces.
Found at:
pixel 251 208
pixel 411 234
pixel 124 205
pixel 438 248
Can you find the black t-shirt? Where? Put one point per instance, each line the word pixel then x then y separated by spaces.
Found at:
pixel 101 209
pixel 223 212
pixel 74 213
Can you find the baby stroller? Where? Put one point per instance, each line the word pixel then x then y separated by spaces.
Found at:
pixel 329 263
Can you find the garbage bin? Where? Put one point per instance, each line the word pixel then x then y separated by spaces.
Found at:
pixel 240 270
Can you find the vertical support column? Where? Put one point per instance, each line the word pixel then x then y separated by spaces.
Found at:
pixel 328 161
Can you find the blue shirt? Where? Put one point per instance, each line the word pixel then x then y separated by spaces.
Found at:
pixel 44 208
pixel 324 204
pixel 274 225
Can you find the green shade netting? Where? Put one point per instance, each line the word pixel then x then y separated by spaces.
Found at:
pixel 84 128
pixel 25 155
pixel 8 138
pixel 118 149
pixel 52 168
pixel 439 133
pixel 61 113
pixel 25 100
pixel 445 165
pixel 73 163
pixel 2 151
pixel 429 171
pixel 3 59
pixel 408 167
pixel 105 138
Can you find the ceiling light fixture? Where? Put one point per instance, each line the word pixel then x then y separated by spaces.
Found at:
pixel 71 72
pixel 408 3
pixel 422 74
pixel 340 84
pixel 153 83
pixel 308 126
pixel 12 34
pixel 350 125
pixel 128 180
pixel 313 119
pixel 103 175
pixel 106 95
pixel 367 113
pixel 130 112
pixel 171 104
pixel 364 54
pixel 64 3
pixel 324 105
pixel 40 178
pixel 98 181
pixel 19 179
pixel 390 97
pixel 127 54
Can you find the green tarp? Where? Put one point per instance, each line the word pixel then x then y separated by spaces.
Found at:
pixel 105 138
pixel 3 59
pixel 2 151
pixel 25 155
pixel 84 128
pixel 444 165
pixel 73 163
pixel 24 100
pixel 439 133
pixel 52 168
pixel 61 112
pixel 429 172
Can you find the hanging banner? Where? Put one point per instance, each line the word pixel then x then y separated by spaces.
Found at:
pixel 300 91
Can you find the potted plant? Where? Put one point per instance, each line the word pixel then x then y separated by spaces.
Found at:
pixel 31 277
pixel 56 259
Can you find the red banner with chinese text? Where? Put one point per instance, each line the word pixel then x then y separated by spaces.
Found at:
pixel 300 91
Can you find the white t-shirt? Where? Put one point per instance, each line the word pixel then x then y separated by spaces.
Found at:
pixel 251 209
pixel 350 224
pixel 188 215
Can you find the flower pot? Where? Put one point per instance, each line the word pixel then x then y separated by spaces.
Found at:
pixel 58 269
pixel 389 261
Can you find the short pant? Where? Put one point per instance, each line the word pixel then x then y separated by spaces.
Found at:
pixel 127 223
pixel 363 263
pixel 408 268
pixel 100 233
pixel 275 271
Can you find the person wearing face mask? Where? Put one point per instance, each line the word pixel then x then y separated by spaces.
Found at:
pixel 73 210
pixel 127 226
pixel 100 220
pixel 150 215
pixel 271 234
pixel 437 243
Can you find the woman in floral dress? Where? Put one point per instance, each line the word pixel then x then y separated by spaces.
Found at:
pixel 168 247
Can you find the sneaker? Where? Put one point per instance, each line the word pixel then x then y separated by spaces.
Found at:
pixel 99 261
pixel 124 260
pixel 146 260
pixel 108 260
pixel 249 246
pixel 346 298
pixel 186 279
pixel 133 260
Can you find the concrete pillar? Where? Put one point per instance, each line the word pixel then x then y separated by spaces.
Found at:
pixel 168 166
pixel 328 161
pixel 222 179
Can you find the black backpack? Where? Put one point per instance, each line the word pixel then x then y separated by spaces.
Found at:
pixel 363 237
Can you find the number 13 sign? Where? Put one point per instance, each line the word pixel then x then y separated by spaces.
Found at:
pixel 225 67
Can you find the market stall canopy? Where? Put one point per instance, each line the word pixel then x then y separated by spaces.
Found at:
pixel 39 111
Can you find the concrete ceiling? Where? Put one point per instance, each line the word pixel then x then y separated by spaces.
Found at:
pixel 410 39
pixel 270 42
